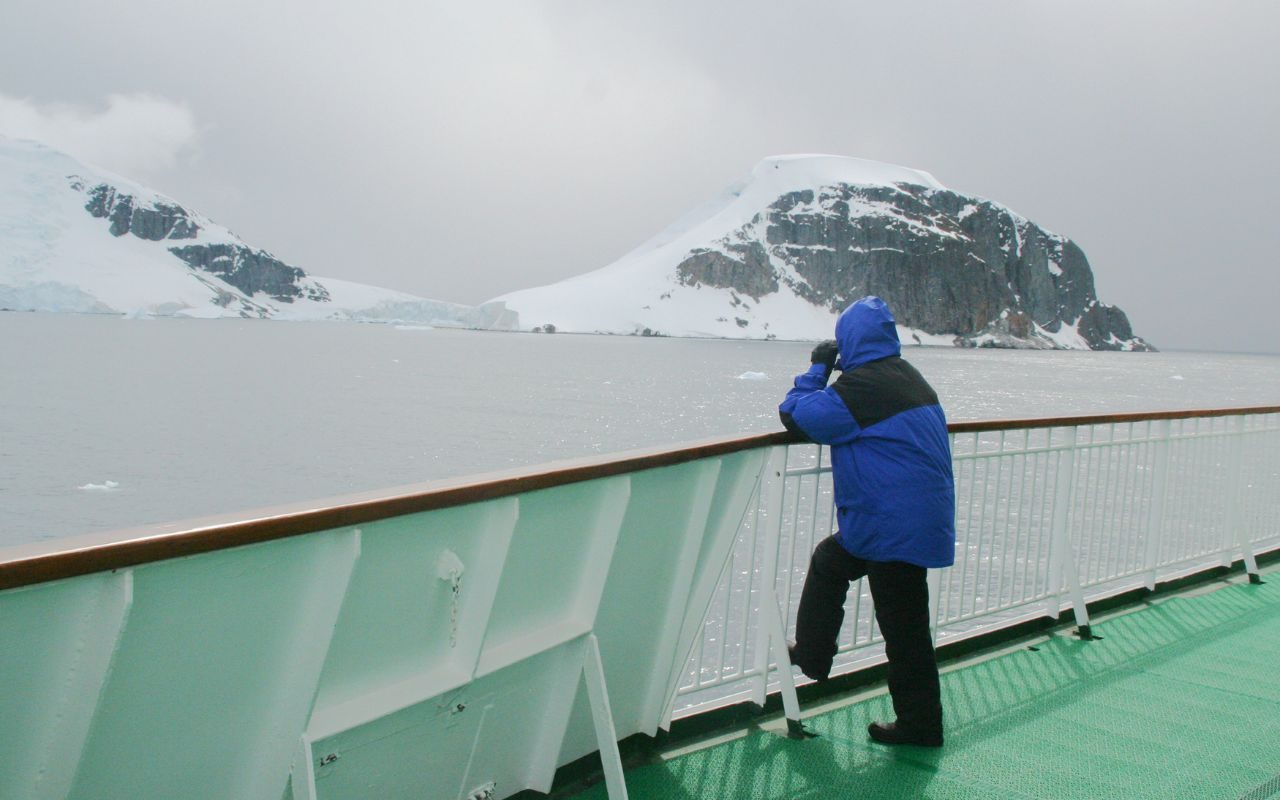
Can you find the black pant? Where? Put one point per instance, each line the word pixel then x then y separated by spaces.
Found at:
pixel 901 597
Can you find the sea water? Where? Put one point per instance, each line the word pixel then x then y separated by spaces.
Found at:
pixel 110 423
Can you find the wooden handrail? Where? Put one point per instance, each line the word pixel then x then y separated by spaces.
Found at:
pixel 39 562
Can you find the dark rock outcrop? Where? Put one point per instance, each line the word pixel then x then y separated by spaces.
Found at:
pixel 945 262
pixel 152 222
pixel 251 271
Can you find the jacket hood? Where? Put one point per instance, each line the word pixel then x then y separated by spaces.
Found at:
pixel 866 332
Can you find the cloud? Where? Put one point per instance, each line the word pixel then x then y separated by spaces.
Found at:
pixel 135 134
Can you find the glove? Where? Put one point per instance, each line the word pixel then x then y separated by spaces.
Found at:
pixel 826 354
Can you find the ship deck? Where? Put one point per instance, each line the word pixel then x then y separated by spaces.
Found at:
pixel 1179 696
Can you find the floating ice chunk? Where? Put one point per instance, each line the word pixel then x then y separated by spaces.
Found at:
pixel 753 376
pixel 108 486
pixel 1176 378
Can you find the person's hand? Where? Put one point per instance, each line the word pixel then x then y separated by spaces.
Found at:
pixel 826 353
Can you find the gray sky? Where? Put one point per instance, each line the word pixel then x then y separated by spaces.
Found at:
pixel 462 150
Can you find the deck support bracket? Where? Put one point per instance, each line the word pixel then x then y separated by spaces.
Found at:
pixel 602 716
pixel 778 649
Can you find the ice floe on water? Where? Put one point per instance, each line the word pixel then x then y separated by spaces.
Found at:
pixel 753 376
pixel 107 486
pixel 1176 378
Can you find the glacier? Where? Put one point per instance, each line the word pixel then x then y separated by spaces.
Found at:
pixel 75 238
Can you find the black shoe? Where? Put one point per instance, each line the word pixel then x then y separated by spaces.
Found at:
pixel 892 733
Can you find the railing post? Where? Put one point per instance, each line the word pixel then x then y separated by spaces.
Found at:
pixel 774 499
pixel 1159 497
pixel 1062 557
pixel 1235 533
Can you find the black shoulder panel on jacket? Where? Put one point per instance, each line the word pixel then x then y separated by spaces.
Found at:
pixel 879 390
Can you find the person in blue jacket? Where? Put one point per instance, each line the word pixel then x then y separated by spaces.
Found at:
pixel 895 508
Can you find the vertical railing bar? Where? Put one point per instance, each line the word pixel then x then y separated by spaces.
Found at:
pixel 1010 557
pixel 1120 531
pixel 965 604
pixel 1248 473
pixel 1029 465
pixel 970 597
pixel 1141 492
pixel 1053 461
pixel 1211 545
pixel 1034 526
pixel 728 608
pixel 1200 531
pixel 1084 469
pixel 986 539
pixel 749 518
pixel 1088 475
pixel 1009 554
pixel 1071 562
pixel 1128 563
pixel 699 653
pixel 1190 447
pixel 1105 513
pixel 794 565
pixel 1142 499
pixel 1230 475
pixel 1041 460
pixel 753 545
pixel 1006 477
pixel 1100 474
pixel 1268 470
pixel 1109 510
pixel 1236 498
pixel 768 573
pixel 1205 526
pixel 982 531
pixel 1186 462
pixel 1142 457
pixel 1186 499
pixel 1065 461
pixel 1117 459
pixel 722 663
pixel 795 529
pixel 1022 553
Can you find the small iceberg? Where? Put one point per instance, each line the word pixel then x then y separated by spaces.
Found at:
pixel 108 486
pixel 753 376
pixel 1176 378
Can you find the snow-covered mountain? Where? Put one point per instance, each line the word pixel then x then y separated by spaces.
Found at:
pixel 782 252
pixel 77 238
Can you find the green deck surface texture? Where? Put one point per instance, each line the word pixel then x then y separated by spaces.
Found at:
pixel 1180 699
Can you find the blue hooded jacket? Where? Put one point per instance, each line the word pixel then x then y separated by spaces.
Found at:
pixel 895 495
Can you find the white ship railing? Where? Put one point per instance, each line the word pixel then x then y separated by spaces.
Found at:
pixel 1051 515
pixel 465 639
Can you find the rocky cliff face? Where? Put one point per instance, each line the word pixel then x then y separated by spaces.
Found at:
pixel 946 263
pixel 251 271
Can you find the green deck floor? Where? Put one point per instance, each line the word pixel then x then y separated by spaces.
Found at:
pixel 1180 699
